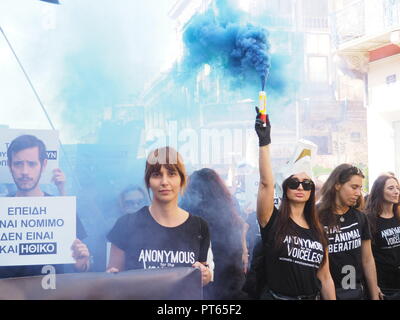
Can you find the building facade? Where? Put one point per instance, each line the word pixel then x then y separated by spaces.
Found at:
pixel 326 106
pixel 367 39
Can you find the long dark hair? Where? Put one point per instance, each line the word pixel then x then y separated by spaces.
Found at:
pixel 327 204
pixel 212 200
pixel 208 197
pixel 374 207
pixel 310 215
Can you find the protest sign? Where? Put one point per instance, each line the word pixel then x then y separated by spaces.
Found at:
pixel 37 230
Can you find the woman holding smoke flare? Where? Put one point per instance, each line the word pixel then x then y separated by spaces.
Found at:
pixel 349 236
pixel 295 245
pixel 162 227
pixel 384 216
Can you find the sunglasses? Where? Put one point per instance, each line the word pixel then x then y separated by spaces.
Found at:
pixel 294 184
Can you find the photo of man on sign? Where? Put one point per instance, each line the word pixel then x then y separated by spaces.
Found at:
pixel 27 160
pixel 50 139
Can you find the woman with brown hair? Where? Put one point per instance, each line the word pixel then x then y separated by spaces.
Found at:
pixel 295 245
pixel 349 236
pixel 162 234
pixel 383 214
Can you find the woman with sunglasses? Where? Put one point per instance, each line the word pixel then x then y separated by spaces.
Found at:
pixel 294 243
pixel 349 235
pixel 383 214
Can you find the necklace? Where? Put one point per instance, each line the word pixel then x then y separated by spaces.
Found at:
pixel 342 212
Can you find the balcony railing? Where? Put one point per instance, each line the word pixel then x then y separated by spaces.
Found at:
pixel 391 9
pixel 289 23
pixel 365 18
pixel 284 22
pixel 315 24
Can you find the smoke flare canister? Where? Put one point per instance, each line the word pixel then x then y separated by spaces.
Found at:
pixel 262 106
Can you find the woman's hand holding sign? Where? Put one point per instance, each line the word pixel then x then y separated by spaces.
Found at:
pixel 80 253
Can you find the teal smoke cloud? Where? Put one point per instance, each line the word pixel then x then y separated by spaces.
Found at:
pixel 240 50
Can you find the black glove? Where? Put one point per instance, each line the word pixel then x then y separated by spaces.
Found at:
pixel 264 133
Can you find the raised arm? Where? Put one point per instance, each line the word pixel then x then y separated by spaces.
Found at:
pixel 265 196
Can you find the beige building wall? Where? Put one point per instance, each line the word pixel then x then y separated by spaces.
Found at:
pixel 384 116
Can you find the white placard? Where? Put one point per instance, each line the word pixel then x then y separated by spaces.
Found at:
pixel 37 230
pixel 49 138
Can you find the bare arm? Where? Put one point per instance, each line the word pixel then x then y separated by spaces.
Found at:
pixel 117 259
pixel 265 196
pixel 245 251
pixel 368 264
pixel 328 286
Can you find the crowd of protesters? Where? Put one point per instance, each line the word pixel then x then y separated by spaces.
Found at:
pixel 324 241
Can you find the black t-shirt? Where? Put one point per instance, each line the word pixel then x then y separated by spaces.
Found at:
pixel 35 270
pixel 386 250
pixel 147 244
pixel 345 245
pixel 291 267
